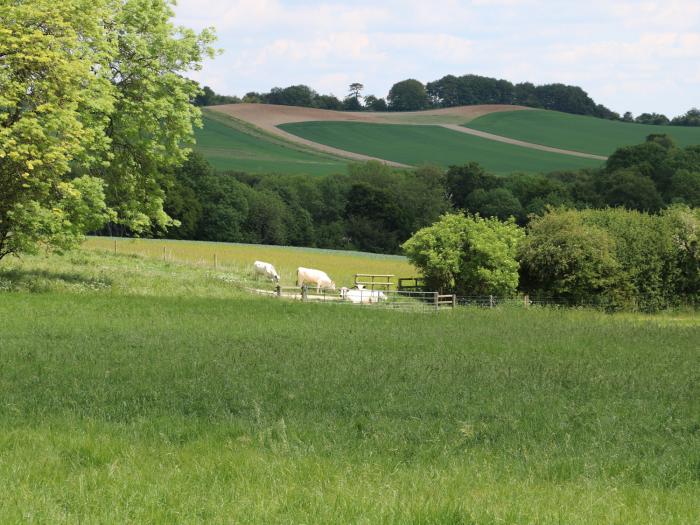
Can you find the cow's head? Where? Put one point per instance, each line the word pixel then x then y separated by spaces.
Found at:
pixel 343 292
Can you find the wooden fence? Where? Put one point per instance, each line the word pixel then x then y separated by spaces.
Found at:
pixel 369 280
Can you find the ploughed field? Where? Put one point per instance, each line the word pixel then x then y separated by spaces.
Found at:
pixel 576 132
pixel 142 390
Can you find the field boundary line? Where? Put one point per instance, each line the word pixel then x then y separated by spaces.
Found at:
pixel 521 143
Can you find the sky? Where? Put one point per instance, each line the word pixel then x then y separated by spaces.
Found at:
pixel 639 56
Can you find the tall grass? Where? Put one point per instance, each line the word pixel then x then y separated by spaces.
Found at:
pixel 173 398
pixel 239 258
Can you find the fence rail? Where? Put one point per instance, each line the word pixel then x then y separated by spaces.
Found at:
pixel 370 279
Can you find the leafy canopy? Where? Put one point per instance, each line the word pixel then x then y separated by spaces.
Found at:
pixel 467 254
pixel 93 110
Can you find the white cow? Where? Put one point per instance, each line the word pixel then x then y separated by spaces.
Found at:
pixel 360 295
pixel 317 277
pixel 266 269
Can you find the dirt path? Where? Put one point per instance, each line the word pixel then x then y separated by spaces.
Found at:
pixel 515 142
pixel 268 116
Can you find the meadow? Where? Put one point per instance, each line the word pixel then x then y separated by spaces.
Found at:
pixel 230 145
pixel 238 258
pixel 418 144
pixel 576 132
pixel 141 390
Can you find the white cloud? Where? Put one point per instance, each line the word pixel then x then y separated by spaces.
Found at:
pixel 638 55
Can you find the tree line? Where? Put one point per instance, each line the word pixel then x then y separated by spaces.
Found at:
pixel 450 91
pixel 376 208
pixel 299 95
pixel 612 258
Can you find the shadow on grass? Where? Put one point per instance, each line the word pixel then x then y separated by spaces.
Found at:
pixel 42 280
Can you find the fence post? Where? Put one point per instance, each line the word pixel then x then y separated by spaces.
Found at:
pixel 304 292
pixel 115 246
pixel 164 252
pixel 436 300
pixel 278 290
pixel 490 301
pixel 454 301
pixel 526 300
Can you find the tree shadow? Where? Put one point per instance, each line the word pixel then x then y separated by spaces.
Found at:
pixel 43 280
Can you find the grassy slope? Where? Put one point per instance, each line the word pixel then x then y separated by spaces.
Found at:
pixel 432 145
pixel 575 132
pixel 231 145
pixel 167 397
pixel 340 265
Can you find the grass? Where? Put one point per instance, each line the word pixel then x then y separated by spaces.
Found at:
pixel 576 132
pixel 163 394
pixel 416 145
pixel 230 145
pixel 339 265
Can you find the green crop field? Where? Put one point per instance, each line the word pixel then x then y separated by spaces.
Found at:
pixel 416 145
pixel 576 132
pixel 147 391
pixel 231 145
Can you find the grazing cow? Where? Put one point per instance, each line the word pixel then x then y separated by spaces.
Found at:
pixel 360 295
pixel 317 277
pixel 266 269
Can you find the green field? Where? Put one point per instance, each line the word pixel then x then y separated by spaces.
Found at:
pixel 416 145
pixel 231 145
pixel 137 390
pixel 576 132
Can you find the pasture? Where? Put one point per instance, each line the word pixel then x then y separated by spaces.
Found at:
pixel 238 258
pixel 141 390
pixel 229 145
pixel 576 132
pixel 428 144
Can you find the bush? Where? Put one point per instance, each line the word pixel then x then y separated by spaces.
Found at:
pixel 466 254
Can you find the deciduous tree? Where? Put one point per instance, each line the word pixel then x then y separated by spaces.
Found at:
pixel 467 254
pixel 93 111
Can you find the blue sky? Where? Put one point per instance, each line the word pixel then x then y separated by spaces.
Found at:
pixel 628 55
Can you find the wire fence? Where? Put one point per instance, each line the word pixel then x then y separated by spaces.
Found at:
pixel 411 293
pixel 434 301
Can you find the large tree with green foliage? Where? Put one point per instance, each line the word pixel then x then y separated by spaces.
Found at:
pixel 467 254
pixel 93 111
pixel 614 256
pixel 562 257
pixel 407 95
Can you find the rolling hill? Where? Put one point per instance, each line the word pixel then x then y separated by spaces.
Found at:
pixel 431 144
pixel 230 144
pixel 576 132
pixel 265 138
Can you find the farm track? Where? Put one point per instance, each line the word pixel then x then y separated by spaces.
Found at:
pixel 516 142
pixel 269 116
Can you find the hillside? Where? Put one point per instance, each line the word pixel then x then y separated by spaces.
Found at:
pixel 431 144
pixel 263 138
pixel 257 130
pixel 576 132
pixel 231 145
